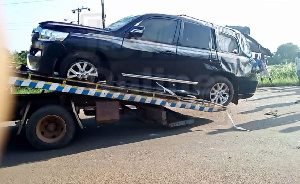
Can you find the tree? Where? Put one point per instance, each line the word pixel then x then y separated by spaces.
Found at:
pixel 287 52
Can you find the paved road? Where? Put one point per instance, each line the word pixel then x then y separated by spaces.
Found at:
pixel 210 151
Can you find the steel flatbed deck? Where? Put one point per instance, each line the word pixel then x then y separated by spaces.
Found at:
pixel 51 117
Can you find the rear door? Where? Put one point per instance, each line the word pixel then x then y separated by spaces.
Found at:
pixel 194 50
pixel 230 56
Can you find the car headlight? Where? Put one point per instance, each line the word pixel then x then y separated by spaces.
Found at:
pixel 51 35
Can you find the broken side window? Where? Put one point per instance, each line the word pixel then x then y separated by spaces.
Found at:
pixel 245 47
pixel 196 36
pixel 227 44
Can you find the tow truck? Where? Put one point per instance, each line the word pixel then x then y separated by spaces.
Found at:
pixel 52 116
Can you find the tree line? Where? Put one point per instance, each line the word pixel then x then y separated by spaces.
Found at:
pixel 286 53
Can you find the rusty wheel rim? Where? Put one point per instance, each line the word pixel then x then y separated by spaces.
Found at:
pixel 51 129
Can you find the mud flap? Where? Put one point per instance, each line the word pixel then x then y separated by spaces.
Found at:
pixel 235 98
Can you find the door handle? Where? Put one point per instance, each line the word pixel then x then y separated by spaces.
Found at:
pixel 169 52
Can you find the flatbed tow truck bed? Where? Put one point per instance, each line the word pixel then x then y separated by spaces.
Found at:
pixel 51 118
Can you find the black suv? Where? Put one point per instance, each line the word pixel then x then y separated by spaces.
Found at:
pixel 180 54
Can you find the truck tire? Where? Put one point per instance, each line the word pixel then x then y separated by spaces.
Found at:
pixel 221 91
pixel 50 127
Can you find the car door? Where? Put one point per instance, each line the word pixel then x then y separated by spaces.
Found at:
pixel 229 54
pixel 150 57
pixel 194 51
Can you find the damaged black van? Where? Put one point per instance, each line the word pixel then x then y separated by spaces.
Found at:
pixel 179 54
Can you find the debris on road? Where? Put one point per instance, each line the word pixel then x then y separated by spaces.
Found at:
pixel 236 127
pixel 272 113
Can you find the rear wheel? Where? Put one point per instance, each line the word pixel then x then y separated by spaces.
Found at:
pixel 220 91
pixel 50 127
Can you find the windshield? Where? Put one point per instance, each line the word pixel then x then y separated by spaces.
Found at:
pixel 122 22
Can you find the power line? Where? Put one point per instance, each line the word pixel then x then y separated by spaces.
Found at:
pixel 18 23
pixel 19 26
pixel 26 2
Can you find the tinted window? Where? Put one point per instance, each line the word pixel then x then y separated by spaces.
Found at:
pixel 227 44
pixel 120 23
pixel 196 36
pixel 159 30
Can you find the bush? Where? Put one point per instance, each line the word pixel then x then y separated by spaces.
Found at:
pixel 282 75
pixel 283 71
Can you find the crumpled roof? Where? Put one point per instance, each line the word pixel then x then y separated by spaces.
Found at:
pixel 254 45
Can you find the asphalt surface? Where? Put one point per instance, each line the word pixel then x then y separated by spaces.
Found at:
pixel 209 151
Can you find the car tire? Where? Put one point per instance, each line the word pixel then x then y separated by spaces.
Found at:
pixel 220 91
pixel 99 73
pixel 50 127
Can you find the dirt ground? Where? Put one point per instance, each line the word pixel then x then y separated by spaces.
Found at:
pixel 209 151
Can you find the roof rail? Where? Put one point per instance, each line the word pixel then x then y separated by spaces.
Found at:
pixel 184 15
pixel 215 25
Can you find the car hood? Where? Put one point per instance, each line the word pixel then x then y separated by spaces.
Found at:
pixel 71 28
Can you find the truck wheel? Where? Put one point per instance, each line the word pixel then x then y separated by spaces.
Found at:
pixel 220 91
pixel 50 127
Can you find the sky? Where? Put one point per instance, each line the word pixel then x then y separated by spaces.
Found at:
pixel 272 22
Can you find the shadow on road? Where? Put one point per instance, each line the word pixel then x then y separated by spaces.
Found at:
pixel 264 124
pixel 270 97
pixel 291 90
pixel 290 129
pixel 261 108
pixel 127 131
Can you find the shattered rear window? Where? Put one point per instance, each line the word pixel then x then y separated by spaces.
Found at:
pixel 227 44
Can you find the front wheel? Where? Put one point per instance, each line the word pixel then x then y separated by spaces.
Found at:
pixel 89 69
pixel 221 91
pixel 82 70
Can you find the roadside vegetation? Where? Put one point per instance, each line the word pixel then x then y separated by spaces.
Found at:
pixel 282 67
pixel 26 90
pixel 282 75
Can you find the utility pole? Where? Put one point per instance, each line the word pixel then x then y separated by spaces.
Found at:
pixel 103 14
pixel 78 10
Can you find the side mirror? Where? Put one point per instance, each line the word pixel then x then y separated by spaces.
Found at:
pixel 136 31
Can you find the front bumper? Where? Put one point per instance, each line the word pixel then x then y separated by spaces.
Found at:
pixel 50 52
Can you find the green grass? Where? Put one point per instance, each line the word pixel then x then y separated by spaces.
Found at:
pixel 279 82
pixel 282 75
pixel 27 90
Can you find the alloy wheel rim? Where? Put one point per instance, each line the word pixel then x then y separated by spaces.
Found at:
pixel 220 93
pixel 82 70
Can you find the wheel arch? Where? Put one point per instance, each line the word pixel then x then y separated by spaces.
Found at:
pixel 99 56
pixel 232 78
